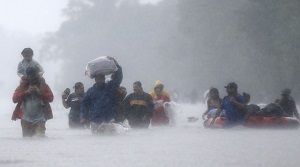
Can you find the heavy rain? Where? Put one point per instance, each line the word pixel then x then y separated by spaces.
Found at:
pixel 190 46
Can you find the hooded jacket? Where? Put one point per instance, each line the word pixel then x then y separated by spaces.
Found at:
pixel 164 93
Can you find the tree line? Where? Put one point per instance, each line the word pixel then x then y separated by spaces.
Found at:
pixel 190 45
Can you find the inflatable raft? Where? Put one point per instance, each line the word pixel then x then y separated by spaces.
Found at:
pixel 258 122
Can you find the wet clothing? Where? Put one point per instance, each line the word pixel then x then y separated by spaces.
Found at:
pixel 288 107
pixel 20 97
pixel 120 111
pixel 23 65
pixel 159 115
pixel 33 110
pixel 212 113
pixel 100 103
pixel 164 93
pixel 234 115
pixel 139 109
pixel 30 129
pixel 211 106
pixel 74 101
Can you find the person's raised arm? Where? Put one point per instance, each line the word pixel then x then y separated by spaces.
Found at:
pixel 117 76
pixel 239 105
pixel 64 100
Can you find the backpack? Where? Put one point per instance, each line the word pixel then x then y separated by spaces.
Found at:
pixel 271 110
pixel 252 110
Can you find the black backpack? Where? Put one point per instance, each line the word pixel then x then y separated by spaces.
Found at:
pixel 252 110
pixel 271 110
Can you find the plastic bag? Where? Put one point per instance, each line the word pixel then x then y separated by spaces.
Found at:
pixel 101 65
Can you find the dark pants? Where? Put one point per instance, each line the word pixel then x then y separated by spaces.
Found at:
pixel 139 123
pixel 74 122
pixel 138 119
pixel 30 129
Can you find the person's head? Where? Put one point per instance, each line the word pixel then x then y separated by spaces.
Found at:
pixel 231 88
pixel 79 88
pixel 32 74
pixel 122 92
pixel 214 93
pixel 27 54
pixel 137 87
pixel 100 79
pixel 158 90
pixel 159 84
pixel 285 93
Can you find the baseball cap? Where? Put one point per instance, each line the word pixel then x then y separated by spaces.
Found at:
pixel 27 51
pixel 231 85
pixel 286 91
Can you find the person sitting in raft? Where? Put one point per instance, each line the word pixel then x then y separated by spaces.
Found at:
pixel 234 105
pixel 213 103
pixel 287 103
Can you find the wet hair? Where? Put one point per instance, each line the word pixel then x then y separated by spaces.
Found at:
pixel 27 51
pixel 213 90
pixel 122 87
pixel 77 85
pixel 138 83
pixel 31 71
pixel 121 90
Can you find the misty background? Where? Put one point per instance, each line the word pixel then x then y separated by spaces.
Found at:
pixel 190 45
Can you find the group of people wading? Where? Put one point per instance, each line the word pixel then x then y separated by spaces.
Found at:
pixel 105 102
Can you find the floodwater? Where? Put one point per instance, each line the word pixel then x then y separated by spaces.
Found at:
pixel 187 144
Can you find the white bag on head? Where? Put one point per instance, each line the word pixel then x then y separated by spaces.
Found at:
pixel 101 65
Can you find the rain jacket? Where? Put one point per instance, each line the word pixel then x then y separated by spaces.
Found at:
pixel 159 116
pixel 100 103
pixel 19 97
pixel 164 93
